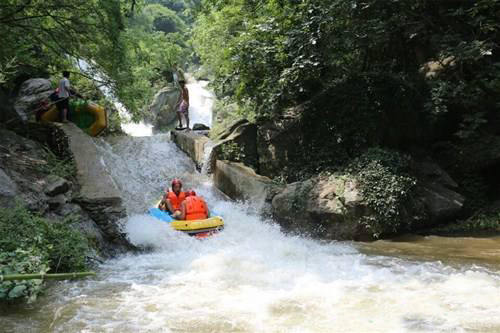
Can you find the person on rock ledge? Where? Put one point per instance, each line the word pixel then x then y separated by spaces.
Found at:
pixel 64 92
pixel 182 105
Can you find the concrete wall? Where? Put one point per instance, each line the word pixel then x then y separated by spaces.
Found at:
pixel 236 180
pixel 240 182
pixel 192 143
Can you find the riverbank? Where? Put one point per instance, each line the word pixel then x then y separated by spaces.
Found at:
pixel 378 195
pixel 253 277
pixel 59 214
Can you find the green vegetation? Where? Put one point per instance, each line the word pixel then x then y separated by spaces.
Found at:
pixel 386 186
pixel 372 72
pixel 479 223
pixel 274 54
pixel 32 244
pixel 62 167
pixel 418 77
pixel 233 152
pixel 128 46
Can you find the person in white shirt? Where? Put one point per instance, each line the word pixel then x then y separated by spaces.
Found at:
pixel 63 93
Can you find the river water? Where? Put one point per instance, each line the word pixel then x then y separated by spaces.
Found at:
pixel 254 278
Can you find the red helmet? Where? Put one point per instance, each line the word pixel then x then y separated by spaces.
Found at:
pixel 176 181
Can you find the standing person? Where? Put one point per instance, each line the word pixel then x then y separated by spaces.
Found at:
pixel 64 91
pixel 182 104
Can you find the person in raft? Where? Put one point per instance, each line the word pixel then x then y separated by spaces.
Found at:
pixel 173 199
pixel 194 208
pixel 182 105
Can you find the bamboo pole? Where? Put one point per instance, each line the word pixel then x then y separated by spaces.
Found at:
pixel 55 276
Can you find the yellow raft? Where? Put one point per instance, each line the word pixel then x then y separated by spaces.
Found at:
pixel 197 228
pixel 198 225
pixel 87 115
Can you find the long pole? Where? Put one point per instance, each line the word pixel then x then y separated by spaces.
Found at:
pixel 55 276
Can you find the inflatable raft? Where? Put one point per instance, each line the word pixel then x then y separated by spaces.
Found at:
pixel 87 115
pixel 197 228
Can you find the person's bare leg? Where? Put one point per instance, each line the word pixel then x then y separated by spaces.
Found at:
pixel 179 116
pixel 64 116
pixel 187 119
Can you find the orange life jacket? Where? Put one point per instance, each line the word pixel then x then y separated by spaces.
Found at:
pixel 176 200
pixel 195 208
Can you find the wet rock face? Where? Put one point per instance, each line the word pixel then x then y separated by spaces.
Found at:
pixel 32 92
pixel 326 207
pixel 22 178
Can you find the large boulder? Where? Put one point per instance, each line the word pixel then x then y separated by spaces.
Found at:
pixel 437 192
pixel 334 206
pixel 327 207
pixel 162 109
pixel 31 93
pixel 441 204
pixel 239 145
pixel 22 161
pixel 23 167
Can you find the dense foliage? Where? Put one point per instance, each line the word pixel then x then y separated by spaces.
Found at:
pixel 126 46
pixel 32 244
pixel 386 186
pixel 280 53
pixel 414 76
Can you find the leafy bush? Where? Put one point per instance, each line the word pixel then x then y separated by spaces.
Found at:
pixel 21 262
pixel 63 167
pixel 32 244
pixel 386 188
pixel 482 222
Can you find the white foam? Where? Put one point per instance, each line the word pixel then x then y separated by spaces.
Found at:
pixel 252 277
